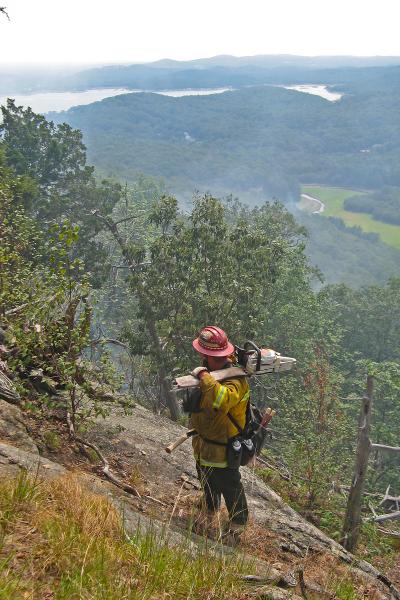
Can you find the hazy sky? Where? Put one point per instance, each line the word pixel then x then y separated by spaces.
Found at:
pixel 99 31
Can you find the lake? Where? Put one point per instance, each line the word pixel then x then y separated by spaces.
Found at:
pixel 316 90
pixel 58 101
pixel 45 102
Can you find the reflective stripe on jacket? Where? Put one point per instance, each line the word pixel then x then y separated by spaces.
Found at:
pixel 212 422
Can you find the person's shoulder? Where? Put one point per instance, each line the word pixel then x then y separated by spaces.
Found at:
pixel 241 382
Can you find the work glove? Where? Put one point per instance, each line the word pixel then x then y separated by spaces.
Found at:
pixel 198 371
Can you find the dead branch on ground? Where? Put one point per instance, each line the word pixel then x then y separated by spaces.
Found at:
pixel 106 467
pixel 384 447
pixel 387 517
pixel 394 534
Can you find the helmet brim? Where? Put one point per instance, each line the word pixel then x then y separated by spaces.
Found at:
pixel 209 352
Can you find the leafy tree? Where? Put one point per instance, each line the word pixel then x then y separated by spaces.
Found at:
pixel 220 264
pixel 45 310
pixel 54 157
pixel 369 317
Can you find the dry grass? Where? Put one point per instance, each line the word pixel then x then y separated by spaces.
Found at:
pixel 59 541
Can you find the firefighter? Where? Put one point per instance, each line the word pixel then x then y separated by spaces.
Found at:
pixel 219 406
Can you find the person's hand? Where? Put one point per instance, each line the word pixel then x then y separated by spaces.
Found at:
pixel 198 372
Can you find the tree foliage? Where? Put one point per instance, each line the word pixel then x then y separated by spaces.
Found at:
pixel 45 308
pixel 53 158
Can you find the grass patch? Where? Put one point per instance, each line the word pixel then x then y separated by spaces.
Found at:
pixel 333 198
pixel 52 440
pixel 61 541
pixel 345 590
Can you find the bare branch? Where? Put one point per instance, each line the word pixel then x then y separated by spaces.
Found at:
pixel 108 341
pixel 388 448
pixel 155 500
pixel 106 467
pixel 3 9
pixel 269 466
pixel 395 534
pixel 388 517
pixel 128 218
pixel 386 496
pixel 372 509
pixel 18 309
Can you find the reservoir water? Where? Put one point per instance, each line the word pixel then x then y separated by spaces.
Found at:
pixel 44 102
pixel 315 90
pixel 57 101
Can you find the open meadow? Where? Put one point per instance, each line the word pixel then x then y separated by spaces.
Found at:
pixel 333 199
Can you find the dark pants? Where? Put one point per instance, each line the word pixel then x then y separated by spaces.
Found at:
pixel 226 482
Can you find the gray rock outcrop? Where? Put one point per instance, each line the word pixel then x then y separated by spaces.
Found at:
pixel 13 429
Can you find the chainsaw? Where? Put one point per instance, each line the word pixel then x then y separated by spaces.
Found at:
pixel 247 361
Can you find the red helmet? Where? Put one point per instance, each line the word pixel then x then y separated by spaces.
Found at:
pixel 213 341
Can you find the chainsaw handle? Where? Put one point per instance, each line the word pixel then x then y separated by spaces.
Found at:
pixel 257 349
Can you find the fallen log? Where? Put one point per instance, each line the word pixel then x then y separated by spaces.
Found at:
pixel 387 517
pixel 384 447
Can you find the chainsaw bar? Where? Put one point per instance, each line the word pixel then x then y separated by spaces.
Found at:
pixel 281 363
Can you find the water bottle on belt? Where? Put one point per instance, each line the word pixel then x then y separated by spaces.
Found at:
pixel 234 453
pixel 248 451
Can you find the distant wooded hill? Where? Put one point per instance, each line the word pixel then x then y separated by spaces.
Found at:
pixel 230 71
pixel 263 138
pixel 206 72
pixel 260 142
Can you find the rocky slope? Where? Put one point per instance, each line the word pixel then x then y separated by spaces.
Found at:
pixel 287 550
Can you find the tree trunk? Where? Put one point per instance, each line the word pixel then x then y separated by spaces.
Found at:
pixel 149 319
pixel 352 521
pixel 169 396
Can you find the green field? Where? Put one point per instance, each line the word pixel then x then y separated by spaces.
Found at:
pixel 333 199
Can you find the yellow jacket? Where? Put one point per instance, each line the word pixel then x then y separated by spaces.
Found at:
pixel 212 422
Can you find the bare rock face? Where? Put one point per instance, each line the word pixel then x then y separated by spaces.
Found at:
pixel 12 428
pixel 13 459
pixel 7 391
